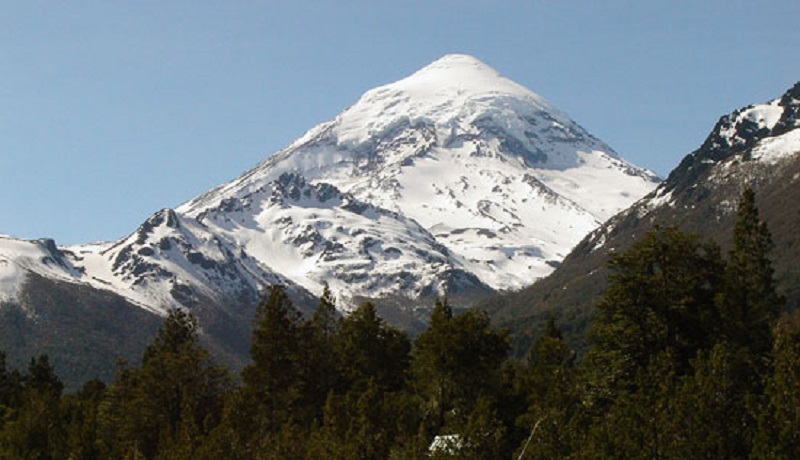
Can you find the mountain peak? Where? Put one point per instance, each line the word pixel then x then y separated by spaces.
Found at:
pixel 453 89
pixel 737 134
pixel 492 172
pixel 458 66
pixel 457 59
pixel 459 76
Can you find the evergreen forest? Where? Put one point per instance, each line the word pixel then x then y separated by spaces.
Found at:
pixel 690 356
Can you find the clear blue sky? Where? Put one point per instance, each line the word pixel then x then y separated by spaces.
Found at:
pixel 111 110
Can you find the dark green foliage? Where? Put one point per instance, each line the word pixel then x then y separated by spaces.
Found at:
pixel 80 412
pixel 674 340
pixel 549 384
pixel 749 303
pixel 10 390
pixel 661 298
pixel 42 378
pixel 371 351
pixel 271 400
pixel 484 435
pixel 321 332
pixel 319 388
pixel 273 350
pixel 685 363
pixel 367 412
pixel 273 382
pixel 779 422
pixel 638 424
pixel 36 430
pixel 456 362
pixel 718 404
pixel 169 403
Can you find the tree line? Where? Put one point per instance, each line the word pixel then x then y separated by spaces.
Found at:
pixel 689 358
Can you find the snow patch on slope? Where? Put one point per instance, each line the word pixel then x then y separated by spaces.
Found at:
pixel 763 116
pixel 18 258
pixel 774 149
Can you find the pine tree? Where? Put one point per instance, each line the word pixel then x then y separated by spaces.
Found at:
pixel 549 382
pixel 484 435
pixel 171 402
pixel 683 335
pixel 661 298
pixel 274 349
pixel 433 366
pixel 275 382
pixel 750 304
pixel 715 407
pixel 10 389
pixel 323 364
pixel 81 411
pixel 456 363
pixel 640 424
pixel 325 319
pixel 42 377
pixel 37 429
pixel 369 350
pixel 363 414
pixel 778 434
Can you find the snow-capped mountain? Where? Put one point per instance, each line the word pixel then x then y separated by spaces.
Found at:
pixel 757 146
pixel 499 178
pixel 454 180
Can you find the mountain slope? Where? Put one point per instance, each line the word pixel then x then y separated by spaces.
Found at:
pixel 757 146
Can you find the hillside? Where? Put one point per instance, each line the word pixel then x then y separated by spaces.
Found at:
pixel 756 146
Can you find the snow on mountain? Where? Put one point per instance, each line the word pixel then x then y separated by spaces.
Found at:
pixel 168 262
pixel 20 257
pixel 499 176
pixel 760 131
pixel 172 261
pixel 452 180
pixel 315 234
pixel 777 148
